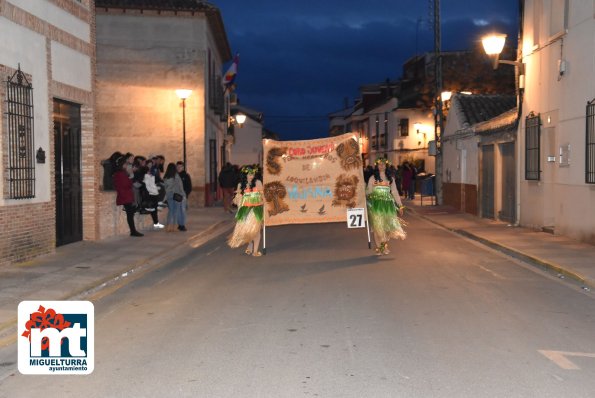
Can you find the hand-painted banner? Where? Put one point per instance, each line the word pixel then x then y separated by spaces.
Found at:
pixel 312 181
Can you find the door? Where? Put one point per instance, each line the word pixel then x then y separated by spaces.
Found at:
pixel 67 150
pixel 508 211
pixel 487 181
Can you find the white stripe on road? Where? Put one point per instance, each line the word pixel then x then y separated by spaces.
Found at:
pixel 559 358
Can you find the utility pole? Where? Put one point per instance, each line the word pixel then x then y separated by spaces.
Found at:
pixel 438 116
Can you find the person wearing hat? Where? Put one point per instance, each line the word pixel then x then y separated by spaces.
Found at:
pixel 250 212
pixel 384 207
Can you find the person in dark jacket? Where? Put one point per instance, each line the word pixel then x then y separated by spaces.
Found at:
pixel 186 180
pixel 125 195
pixel 227 182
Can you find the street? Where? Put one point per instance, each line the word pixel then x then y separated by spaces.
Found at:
pixel 321 316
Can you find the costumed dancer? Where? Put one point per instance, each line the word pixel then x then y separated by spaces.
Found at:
pixel 384 207
pixel 250 212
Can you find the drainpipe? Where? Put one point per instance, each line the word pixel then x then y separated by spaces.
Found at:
pixel 520 92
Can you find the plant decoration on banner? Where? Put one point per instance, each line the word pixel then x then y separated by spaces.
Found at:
pixel 312 181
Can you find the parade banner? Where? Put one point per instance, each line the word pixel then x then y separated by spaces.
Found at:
pixel 313 181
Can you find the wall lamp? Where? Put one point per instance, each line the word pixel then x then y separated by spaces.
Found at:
pixel 493 45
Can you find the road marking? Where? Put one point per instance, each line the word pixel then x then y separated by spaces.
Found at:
pixel 559 358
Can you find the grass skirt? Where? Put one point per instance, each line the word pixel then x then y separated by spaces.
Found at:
pixel 247 228
pixel 384 220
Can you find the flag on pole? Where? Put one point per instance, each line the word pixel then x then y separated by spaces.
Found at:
pixel 231 73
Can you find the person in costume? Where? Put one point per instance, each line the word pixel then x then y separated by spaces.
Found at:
pixel 250 212
pixel 384 207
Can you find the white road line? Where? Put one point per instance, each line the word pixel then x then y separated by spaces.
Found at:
pixel 559 358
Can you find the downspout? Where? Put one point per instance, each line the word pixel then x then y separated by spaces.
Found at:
pixel 520 92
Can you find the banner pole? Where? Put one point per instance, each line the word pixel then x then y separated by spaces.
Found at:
pixel 368 227
pixel 264 238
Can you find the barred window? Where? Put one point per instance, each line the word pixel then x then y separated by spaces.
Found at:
pixel 403 127
pixel 590 155
pixel 376 136
pixel 532 146
pixel 19 122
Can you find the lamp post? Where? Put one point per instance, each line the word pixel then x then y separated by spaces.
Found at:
pixel 183 94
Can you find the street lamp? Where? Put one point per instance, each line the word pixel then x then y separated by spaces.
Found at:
pixel 183 94
pixel 240 118
pixel 493 45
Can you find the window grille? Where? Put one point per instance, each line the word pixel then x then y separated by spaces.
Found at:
pixel 590 147
pixel 532 146
pixel 21 166
pixel 403 127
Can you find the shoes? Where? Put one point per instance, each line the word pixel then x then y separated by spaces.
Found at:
pixel 136 233
pixel 158 226
pixel 182 228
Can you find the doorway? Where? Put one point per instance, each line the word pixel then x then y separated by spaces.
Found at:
pixel 67 151
pixel 508 211
pixel 487 181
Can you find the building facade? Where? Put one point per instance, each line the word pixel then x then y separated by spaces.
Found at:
pixel 478 150
pixel 147 50
pixel 247 138
pixel 48 142
pixel 557 137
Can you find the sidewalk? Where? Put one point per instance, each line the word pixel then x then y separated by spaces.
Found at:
pixel 85 266
pixel 569 258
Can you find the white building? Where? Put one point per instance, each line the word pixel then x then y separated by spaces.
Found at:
pixel 556 136
pixel 478 149
pixel 246 147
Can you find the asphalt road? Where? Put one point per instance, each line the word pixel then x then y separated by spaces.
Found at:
pixel 320 316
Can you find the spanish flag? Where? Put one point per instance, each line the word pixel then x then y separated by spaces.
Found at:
pixel 231 73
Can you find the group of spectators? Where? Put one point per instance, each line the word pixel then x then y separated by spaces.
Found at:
pixel 145 185
pixel 405 176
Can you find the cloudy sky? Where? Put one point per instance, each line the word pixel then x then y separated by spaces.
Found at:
pixel 299 59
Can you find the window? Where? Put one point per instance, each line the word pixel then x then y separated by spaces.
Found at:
pixel 590 155
pixel 213 165
pixel 19 115
pixel 558 17
pixel 384 132
pixel 404 127
pixel 532 146
pixel 376 134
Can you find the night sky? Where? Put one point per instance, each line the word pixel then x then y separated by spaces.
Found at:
pixel 300 59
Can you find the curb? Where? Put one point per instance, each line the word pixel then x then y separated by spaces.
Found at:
pixel 517 254
pixel 7 335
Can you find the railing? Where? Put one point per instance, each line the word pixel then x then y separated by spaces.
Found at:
pixel 532 147
pixel 21 167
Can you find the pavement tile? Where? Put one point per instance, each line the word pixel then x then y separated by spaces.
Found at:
pixel 84 264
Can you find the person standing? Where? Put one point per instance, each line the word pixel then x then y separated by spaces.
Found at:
pixel 151 201
pixel 250 213
pixel 124 194
pixel 384 207
pixel 186 180
pixel 174 192
pixel 407 177
pixel 227 182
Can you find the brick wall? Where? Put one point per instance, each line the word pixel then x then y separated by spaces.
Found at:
pixel 29 229
pixel 112 218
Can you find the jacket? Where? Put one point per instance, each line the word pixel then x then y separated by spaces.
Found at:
pixel 123 186
pixel 174 185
